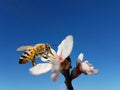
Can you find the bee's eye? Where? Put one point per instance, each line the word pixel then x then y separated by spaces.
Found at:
pixel 48 47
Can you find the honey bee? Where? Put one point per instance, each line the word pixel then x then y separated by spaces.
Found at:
pixel 32 52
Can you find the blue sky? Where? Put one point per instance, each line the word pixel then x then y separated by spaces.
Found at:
pixel 94 24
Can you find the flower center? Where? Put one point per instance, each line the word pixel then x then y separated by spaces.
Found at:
pixel 60 58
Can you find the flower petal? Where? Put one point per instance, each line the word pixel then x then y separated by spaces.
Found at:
pixel 53 51
pixel 80 58
pixel 54 56
pixel 40 68
pixel 65 48
pixel 88 68
pixel 85 66
pixel 55 69
pixel 55 76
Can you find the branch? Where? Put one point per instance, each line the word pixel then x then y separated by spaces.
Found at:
pixel 65 70
pixel 75 72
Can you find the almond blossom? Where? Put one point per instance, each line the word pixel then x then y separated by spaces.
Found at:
pixel 85 66
pixel 54 63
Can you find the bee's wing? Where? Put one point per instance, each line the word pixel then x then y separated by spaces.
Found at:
pixel 65 47
pixel 40 68
pixel 23 48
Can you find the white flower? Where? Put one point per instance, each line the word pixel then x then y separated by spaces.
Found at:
pixel 85 66
pixel 53 64
pixel 64 50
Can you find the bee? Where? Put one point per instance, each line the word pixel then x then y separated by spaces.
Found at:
pixel 32 52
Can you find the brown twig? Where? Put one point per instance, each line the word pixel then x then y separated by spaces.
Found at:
pixel 65 70
pixel 68 80
pixel 69 76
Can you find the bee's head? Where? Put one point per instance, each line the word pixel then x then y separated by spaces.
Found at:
pixel 48 47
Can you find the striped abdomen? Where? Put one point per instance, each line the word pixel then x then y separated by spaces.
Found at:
pixel 27 56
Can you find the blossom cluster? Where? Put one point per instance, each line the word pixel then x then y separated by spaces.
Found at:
pixel 56 63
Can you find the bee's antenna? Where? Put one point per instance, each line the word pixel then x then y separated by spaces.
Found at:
pixel 54 44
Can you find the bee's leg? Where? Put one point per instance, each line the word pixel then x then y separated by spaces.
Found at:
pixel 34 62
